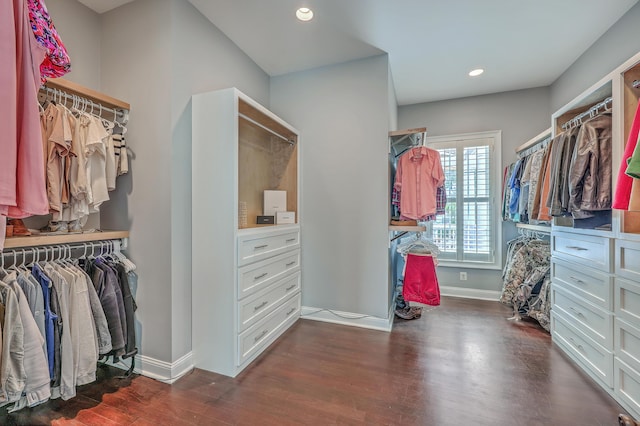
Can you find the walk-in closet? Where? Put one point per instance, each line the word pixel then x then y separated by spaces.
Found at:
pixel 310 213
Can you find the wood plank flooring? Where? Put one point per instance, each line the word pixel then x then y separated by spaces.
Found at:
pixel 462 363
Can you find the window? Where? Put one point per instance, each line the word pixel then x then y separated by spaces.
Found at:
pixel 469 232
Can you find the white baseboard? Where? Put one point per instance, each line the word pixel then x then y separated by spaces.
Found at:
pixel 159 370
pixel 348 318
pixel 470 293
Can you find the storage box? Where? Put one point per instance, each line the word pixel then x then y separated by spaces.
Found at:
pixel 265 220
pixel 285 217
pixel 274 201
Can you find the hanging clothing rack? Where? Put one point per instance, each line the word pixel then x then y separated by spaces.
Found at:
pixel 590 113
pixel 636 84
pixel 534 144
pixel 87 98
pixel 262 126
pixel 90 248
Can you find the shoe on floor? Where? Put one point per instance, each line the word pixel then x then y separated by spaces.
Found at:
pixel 624 420
pixel 409 312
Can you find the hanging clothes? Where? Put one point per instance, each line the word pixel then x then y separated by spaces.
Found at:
pixel 419 173
pixel 56 63
pixel 420 280
pixel 624 182
pixel 50 361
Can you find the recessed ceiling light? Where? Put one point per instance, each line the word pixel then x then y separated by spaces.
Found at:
pixel 304 14
pixel 476 72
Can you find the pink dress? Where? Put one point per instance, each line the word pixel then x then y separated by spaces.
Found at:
pixel 22 183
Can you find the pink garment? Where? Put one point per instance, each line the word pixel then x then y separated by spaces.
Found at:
pixel 624 182
pixel 420 280
pixel 419 173
pixel 22 184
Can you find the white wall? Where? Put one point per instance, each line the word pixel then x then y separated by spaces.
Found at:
pixel 618 44
pixel 342 114
pixel 80 31
pixel 520 114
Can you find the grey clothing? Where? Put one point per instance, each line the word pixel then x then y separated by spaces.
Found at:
pixel 67 388
pixel 12 372
pixel 36 388
pixel 99 318
pixel 555 185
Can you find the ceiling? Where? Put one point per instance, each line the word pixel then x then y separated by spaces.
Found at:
pixel 432 44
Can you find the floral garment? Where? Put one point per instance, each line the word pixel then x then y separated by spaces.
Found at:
pixel 57 62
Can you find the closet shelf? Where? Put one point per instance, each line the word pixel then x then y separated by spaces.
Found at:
pixel 537 228
pixel 44 240
pixel 397 228
pixel 77 89
pixel 535 140
pixel 407 131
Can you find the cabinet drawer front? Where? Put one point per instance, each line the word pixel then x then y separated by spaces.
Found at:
pixel 628 259
pixel 591 320
pixel 593 285
pixel 255 247
pixel 585 249
pixel 627 386
pixel 253 339
pixel 596 358
pixel 256 306
pixel 627 300
pixel 255 277
pixel 628 343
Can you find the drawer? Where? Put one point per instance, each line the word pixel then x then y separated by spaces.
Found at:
pixel 627 300
pixel 627 387
pixel 593 285
pixel 256 306
pixel 590 354
pixel 591 320
pixel 253 339
pixel 255 247
pixel 628 259
pixel 259 275
pixel 586 249
pixel 627 346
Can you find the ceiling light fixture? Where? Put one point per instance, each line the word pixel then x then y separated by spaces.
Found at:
pixel 304 14
pixel 476 72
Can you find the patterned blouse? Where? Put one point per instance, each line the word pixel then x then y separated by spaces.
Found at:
pixel 57 62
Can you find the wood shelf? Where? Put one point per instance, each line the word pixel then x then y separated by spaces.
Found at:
pixel 535 140
pixel 93 95
pixel 46 240
pixel 407 131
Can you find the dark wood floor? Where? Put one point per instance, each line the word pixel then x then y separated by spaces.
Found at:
pixel 462 363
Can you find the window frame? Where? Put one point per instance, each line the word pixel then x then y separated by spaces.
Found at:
pixel 459 142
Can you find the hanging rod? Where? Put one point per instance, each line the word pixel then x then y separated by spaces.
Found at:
pixel 542 144
pixel 85 102
pixel 591 112
pixel 636 84
pixel 262 126
pixel 63 250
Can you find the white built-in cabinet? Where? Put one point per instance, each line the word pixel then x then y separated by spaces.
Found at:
pixel 246 278
pixel 596 273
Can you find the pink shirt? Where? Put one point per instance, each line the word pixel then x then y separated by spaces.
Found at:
pixel 418 175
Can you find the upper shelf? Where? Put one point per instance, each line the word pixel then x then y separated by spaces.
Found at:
pixel 48 240
pixel 77 89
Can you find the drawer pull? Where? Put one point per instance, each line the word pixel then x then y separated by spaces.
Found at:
pixel 577 279
pixel 264 333
pixel 290 264
pixel 291 311
pixel 577 248
pixel 261 247
pixel 290 240
pixel 291 287
pixel 580 314
pixel 260 306
pixel 260 276
pixel 576 344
